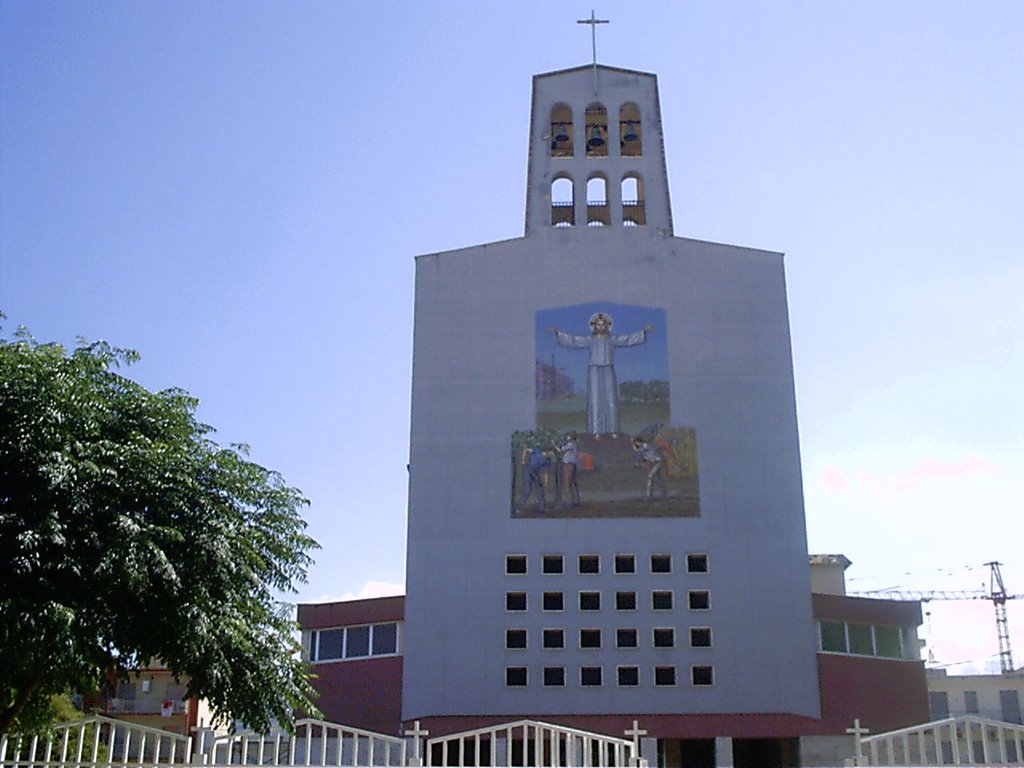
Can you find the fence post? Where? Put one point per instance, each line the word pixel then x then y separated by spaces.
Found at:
pixel 199 745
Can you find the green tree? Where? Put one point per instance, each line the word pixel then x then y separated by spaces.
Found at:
pixel 127 535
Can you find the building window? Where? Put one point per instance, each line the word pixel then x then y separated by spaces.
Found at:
pixel 590 676
pixel 515 565
pixel 697 563
pixel 589 564
pixel 552 564
pixel 700 675
pixel 887 642
pixel 590 601
pixel 590 638
pixel 628 676
pixel 625 564
pixel 625 637
pixel 554 676
pixel 661 563
pixel 971 702
pixel 515 639
pixel 664 675
pixel 553 638
pixel 354 642
pixel 833 636
pixel 1009 705
pixel 632 195
pixel 625 601
pixel 699 599
pixel 938 704
pixel 385 640
pixel 860 639
pixel 664 637
pixel 515 601
pixel 700 637
pixel 661 600
pixel 597 202
pixel 553 601
pixel 515 677
pixel 357 642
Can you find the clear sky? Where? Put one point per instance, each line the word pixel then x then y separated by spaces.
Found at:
pixel 238 189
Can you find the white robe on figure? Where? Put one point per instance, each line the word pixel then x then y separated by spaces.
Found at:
pixel 602 386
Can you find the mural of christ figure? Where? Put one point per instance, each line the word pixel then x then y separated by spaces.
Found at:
pixel 602 386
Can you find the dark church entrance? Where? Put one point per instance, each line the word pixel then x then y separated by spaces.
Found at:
pixel 686 753
pixel 766 753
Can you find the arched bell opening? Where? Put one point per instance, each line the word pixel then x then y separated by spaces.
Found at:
pixel 633 211
pixel 561 131
pixel 563 202
pixel 597 201
pixel 629 130
pixel 597 130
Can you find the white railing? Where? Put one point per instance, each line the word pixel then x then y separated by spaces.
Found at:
pixel 314 743
pixel 954 741
pixel 95 740
pixel 529 743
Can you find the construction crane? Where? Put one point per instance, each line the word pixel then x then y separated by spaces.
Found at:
pixel 996 593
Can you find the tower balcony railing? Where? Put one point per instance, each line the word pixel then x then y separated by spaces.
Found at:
pixel 563 213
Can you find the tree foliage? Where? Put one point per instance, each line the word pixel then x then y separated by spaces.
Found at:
pixel 128 535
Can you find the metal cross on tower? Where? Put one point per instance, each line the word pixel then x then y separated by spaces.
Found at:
pixel 593 21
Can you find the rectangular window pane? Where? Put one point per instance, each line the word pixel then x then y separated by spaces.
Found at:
pixel 664 637
pixel 515 564
pixel 554 676
pixel 697 563
pixel 385 639
pixel 661 601
pixel 860 639
pixel 330 644
pixel 590 564
pixel 515 601
pixel 1009 704
pixel 590 676
pixel 702 675
pixel 833 636
pixel 590 601
pixel 625 601
pixel 938 704
pixel 887 642
pixel 629 675
pixel 357 642
pixel 552 564
pixel 661 563
pixel 515 639
pixel 971 702
pixel 664 675
pixel 626 638
pixel 625 564
pixel 700 599
pixel 515 676
pixel 590 638
pixel 554 638
pixel 553 601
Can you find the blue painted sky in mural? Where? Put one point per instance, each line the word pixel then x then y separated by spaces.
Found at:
pixel 644 362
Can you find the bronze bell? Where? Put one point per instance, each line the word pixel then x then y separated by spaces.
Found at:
pixel 596 139
pixel 631 133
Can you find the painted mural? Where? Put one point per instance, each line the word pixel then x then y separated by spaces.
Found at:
pixel 603 443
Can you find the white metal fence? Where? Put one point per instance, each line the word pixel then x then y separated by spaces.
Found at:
pixel 104 742
pixel 955 741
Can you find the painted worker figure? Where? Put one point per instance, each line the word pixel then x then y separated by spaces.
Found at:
pixel 536 467
pixel 602 386
pixel 568 489
pixel 655 464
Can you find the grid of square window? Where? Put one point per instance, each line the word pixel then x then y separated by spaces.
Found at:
pixel 626 676
pixel 623 638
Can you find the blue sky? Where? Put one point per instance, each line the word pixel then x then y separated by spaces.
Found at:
pixel 238 190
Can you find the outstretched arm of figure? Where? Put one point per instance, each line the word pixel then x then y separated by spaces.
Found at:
pixel 569 340
pixel 633 339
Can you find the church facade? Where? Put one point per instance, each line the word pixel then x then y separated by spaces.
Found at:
pixel 605 504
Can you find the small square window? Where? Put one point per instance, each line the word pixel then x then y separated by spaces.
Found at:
pixel 664 675
pixel 661 600
pixel 661 563
pixel 700 637
pixel 590 638
pixel 590 601
pixel 590 564
pixel 515 676
pixel 697 563
pixel 553 638
pixel 515 639
pixel 553 601
pixel 590 676
pixel 625 601
pixel 628 675
pixel 554 676
pixel 664 637
pixel 625 637
pixel 699 599
pixel 515 565
pixel 515 601
pixel 625 564
pixel 552 564
pixel 702 675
